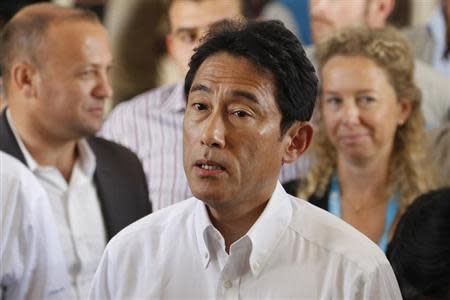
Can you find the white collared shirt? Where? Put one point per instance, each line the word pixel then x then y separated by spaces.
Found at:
pixel 76 209
pixel 294 250
pixel 31 261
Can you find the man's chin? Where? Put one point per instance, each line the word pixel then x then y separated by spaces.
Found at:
pixel 88 131
pixel 208 196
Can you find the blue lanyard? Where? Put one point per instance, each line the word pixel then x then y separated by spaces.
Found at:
pixel 334 207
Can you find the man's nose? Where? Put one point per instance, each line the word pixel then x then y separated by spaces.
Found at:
pixel 213 134
pixel 103 89
pixel 317 7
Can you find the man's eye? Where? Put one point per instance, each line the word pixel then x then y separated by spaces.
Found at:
pixel 199 106
pixel 241 114
pixel 87 73
pixel 187 36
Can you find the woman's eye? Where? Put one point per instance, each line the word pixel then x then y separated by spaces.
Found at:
pixel 333 100
pixel 366 99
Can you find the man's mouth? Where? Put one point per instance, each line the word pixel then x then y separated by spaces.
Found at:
pixel 208 167
pixel 211 167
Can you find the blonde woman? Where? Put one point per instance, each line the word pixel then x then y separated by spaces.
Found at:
pixel 368 151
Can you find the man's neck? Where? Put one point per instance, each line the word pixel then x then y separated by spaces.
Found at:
pixel 44 149
pixel 234 226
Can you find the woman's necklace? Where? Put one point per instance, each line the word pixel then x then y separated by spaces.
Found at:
pixel 334 207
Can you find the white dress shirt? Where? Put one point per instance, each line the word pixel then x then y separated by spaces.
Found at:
pixel 32 263
pixel 151 125
pixel 76 208
pixel 294 250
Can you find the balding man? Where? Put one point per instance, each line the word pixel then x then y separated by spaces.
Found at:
pixel 327 16
pixel 55 64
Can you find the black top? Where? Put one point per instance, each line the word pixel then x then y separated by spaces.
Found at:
pixel 321 201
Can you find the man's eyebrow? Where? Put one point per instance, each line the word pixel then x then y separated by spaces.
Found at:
pixel 200 87
pixel 185 29
pixel 245 95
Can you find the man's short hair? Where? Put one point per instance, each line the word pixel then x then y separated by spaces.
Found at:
pixel 268 44
pixel 23 35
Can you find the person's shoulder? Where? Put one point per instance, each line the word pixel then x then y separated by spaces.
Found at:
pixel 15 175
pixel 331 234
pixel 154 227
pixel 21 193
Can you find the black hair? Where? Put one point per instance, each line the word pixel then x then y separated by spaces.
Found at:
pixel 420 249
pixel 269 45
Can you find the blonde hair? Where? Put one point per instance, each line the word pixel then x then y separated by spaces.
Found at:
pixel 409 173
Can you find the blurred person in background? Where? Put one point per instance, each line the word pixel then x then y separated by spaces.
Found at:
pixel 137 29
pixel 431 42
pixel 294 14
pixel 420 249
pixel 439 151
pixel 369 150
pixel 56 62
pixel 32 263
pixel 327 16
pixel 8 8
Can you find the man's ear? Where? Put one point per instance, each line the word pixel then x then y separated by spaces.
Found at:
pixel 169 44
pixel 378 11
pixel 24 79
pixel 298 139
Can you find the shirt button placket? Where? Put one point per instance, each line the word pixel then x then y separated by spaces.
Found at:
pixel 227 284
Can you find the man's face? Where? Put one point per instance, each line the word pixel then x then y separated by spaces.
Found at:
pixel 190 20
pixel 233 150
pixel 328 16
pixel 72 83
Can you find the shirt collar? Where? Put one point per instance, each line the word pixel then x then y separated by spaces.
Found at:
pixel 202 226
pixel 31 163
pixel 86 156
pixel 264 234
pixel 176 100
pixel 269 228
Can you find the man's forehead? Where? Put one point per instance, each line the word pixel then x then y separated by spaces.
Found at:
pixel 78 39
pixel 202 13
pixel 237 75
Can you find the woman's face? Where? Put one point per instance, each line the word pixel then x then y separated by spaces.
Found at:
pixel 359 107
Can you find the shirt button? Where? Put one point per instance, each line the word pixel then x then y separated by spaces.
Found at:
pixel 256 266
pixel 227 284
pixel 206 255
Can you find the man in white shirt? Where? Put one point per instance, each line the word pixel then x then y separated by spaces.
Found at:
pixel 251 91
pixel 151 123
pixel 55 63
pixel 32 265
